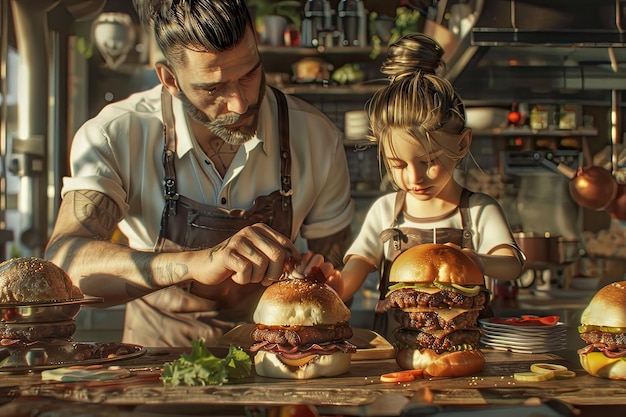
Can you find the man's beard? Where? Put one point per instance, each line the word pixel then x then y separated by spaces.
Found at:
pixel 220 126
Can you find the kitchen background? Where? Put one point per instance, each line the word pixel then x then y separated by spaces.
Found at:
pixel 541 82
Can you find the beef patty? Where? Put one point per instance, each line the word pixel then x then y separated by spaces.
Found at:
pixel 303 335
pixel 422 340
pixel 612 340
pixel 431 320
pixel 411 297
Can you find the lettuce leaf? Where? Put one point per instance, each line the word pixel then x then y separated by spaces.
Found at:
pixel 201 367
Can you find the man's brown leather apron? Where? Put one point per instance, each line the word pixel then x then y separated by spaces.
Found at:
pixel 403 238
pixel 189 225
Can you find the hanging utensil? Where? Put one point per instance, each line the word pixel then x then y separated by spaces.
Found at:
pixel 617 207
pixel 591 187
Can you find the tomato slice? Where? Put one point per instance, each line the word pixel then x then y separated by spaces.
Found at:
pixel 547 320
pixel 402 376
pixel 527 320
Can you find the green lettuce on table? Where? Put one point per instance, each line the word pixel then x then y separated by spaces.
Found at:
pixel 202 367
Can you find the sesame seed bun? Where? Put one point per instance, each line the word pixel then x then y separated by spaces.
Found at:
pixel 299 302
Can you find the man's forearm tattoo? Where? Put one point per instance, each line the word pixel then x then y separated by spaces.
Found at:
pixel 170 274
pixel 96 212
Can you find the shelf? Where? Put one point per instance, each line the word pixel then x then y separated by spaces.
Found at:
pixel 304 52
pixel 526 131
pixel 281 60
pixel 548 38
pixel 354 89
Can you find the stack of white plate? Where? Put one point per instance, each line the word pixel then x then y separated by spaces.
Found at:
pixel 523 338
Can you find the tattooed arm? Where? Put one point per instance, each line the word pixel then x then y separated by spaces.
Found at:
pixel 81 244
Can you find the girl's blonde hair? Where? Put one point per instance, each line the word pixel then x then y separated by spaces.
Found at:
pixel 417 99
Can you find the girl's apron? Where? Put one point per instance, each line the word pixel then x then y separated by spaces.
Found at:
pixel 402 238
pixel 189 225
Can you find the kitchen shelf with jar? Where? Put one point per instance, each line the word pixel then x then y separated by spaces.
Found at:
pixel 363 89
pixel 281 61
pixel 527 131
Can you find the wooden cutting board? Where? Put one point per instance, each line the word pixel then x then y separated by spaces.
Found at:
pixel 370 345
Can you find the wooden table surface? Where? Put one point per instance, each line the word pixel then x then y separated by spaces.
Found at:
pixel 359 392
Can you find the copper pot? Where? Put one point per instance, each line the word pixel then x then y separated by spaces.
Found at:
pixel 536 247
pixel 617 207
pixel 544 250
pixel 591 187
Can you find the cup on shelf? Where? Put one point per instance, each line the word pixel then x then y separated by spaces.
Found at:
pixel 356 125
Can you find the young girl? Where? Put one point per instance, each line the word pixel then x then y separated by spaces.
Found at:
pixel 418 121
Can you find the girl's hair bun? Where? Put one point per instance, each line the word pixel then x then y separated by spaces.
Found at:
pixel 412 53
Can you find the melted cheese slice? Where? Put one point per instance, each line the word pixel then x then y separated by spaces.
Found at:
pixel 597 361
pixel 296 362
pixel 428 289
pixel 440 334
pixel 446 313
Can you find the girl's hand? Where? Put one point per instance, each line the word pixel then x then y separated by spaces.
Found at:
pixel 472 254
pixel 309 260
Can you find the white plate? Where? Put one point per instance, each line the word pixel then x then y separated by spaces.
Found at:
pixel 512 333
pixel 517 350
pixel 525 333
pixel 529 348
pixel 520 328
pixel 523 343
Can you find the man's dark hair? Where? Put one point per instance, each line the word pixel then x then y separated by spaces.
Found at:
pixel 197 25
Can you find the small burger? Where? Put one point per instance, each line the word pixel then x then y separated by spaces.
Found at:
pixel 436 295
pixel 301 330
pixel 603 328
pixel 28 281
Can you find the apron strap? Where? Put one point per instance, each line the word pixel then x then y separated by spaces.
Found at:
pixel 169 152
pixel 466 219
pixel 285 152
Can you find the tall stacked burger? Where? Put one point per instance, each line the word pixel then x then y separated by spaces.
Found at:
pixel 301 329
pixel 603 328
pixel 436 295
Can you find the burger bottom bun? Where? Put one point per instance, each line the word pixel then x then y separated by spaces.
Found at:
pixel 603 367
pixel 268 364
pixel 452 364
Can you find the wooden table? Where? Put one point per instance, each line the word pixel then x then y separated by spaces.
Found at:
pixel 359 392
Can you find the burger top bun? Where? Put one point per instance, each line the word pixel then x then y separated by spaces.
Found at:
pixel 33 280
pixel 300 302
pixel 435 262
pixel 606 308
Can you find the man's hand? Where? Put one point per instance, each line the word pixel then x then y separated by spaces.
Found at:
pixel 255 254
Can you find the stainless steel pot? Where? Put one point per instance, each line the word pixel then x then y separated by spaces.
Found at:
pixel 564 250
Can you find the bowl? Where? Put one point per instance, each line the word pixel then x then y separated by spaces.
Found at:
pixel 486 117
pixel 584 283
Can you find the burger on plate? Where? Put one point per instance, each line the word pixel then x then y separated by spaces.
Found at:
pixel 36 301
pixel 603 327
pixel 437 295
pixel 301 330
